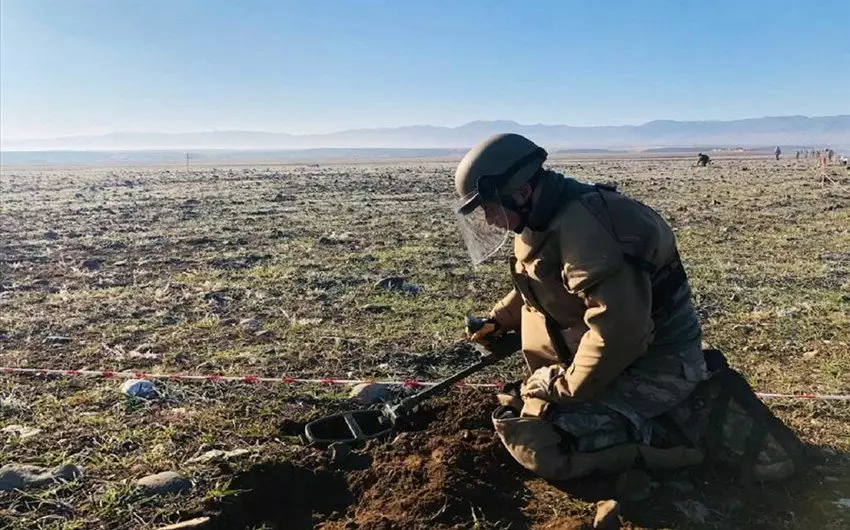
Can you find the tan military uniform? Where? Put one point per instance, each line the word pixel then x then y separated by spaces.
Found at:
pixel 600 277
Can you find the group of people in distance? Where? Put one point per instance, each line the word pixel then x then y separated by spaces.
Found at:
pixel 824 156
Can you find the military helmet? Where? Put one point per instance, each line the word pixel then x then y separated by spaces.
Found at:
pixel 498 166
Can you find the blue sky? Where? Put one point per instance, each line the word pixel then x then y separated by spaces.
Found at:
pixel 72 67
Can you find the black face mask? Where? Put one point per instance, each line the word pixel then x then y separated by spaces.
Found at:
pixel 523 211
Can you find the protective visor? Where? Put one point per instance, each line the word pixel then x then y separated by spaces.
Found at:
pixel 483 225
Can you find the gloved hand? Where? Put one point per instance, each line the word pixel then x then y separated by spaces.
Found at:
pixel 540 384
pixel 483 331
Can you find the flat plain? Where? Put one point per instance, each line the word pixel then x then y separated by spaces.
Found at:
pixel 272 271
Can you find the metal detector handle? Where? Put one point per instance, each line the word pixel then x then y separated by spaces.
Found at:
pixel 502 348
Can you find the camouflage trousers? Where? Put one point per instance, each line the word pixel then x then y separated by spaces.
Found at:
pixel 644 408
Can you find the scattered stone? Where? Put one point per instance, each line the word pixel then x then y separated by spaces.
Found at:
pixel 217 455
pixel 375 309
pixel 695 511
pixel 633 486
pixel 788 312
pixel 607 515
pixel 370 393
pixel 22 431
pixel 263 333
pixel 57 339
pixel 51 235
pixel 228 321
pixel 842 503
pixel 399 284
pixel 163 483
pixel 191 202
pixel 810 354
pixel 191 523
pixel 250 324
pixel 140 388
pixel 23 476
pixel 91 264
pixel 338 452
pixel 280 197
pixel 390 283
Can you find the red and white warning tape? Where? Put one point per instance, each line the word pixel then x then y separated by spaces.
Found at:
pixel 325 380
pixel 230 378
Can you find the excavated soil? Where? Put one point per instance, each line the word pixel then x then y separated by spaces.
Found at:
pixel 447 471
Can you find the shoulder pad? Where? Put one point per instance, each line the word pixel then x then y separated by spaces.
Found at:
pixel 589 251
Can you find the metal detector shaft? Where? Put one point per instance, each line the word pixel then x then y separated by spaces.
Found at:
pixel 504 347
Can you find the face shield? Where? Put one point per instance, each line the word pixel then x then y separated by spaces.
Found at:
pixel 483 225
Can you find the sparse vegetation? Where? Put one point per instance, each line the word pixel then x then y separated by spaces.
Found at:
pixel 159 270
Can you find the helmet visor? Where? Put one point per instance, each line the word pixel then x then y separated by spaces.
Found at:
pixel 484 228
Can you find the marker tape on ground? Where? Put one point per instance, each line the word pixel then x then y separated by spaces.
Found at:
pixel 412 383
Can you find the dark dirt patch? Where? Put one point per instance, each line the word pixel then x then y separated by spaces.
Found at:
pixel 444 470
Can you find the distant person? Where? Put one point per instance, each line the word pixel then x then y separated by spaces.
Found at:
pixel 703 160
pixel 830 153
pixel 777 152
pixel 798 154
pixel 843 160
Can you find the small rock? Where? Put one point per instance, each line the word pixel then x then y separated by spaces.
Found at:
pixel 695 511
pixel 607 515
pixel 22 431
pixel 91 264
pixel 842 503
pixel 633 486
pixel 391 283
pixel 23 476
pixel 217 455
pixel 67 472
pixel 228 321
pixel 141 388
pixel 280 197
pixel 191 523
pixel 370 393
pixel 163 483
pixel 57 339
pixel 338 452
pixel 398 283
pixel 375 309
pixel 51 235
pixel 250 324
pixel 810 354
pixel 263 333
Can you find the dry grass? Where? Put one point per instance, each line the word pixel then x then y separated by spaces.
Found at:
pixel 154 269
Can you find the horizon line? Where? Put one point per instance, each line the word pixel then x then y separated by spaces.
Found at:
pixel 355 129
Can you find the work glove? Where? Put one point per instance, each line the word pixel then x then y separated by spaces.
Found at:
pixel 483 331
pixel 541 383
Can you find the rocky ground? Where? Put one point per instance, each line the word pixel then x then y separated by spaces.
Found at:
pixel 276 271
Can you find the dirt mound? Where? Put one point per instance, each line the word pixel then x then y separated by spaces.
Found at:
pixel 447 470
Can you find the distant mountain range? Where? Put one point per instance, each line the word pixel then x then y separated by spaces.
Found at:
pixel 833 131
